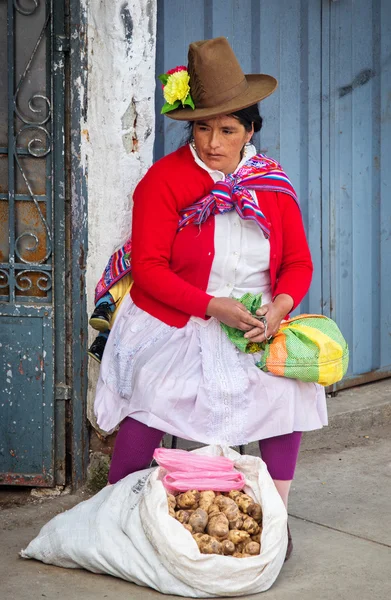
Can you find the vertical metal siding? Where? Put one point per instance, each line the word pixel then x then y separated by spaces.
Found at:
pixel 332 144
pixel 383 164
pixel 360 86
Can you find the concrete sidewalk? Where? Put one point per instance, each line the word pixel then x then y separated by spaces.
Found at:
pixel 340 520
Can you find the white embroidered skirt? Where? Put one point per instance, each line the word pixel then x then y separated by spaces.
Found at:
pixel 194 383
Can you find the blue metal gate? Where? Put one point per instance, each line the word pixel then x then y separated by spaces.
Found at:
pixel 32 243
pixel 329 125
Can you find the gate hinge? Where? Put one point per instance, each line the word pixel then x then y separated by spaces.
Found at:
pixel 63 392
pixel 61 43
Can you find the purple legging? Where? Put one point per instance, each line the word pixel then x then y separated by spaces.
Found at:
pixel 136 442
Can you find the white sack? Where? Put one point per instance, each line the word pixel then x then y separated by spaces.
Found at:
pixel 126 531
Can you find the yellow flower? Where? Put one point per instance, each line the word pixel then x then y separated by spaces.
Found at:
pixel 177 87
pixel 253 347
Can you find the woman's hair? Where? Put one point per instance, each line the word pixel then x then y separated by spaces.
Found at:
pixel 249 116
pixel 246 116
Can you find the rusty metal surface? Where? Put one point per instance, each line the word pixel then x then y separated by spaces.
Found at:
pixel 29 223
pixel 30 480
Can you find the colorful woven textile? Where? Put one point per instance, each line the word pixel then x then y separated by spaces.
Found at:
pixel 118 266
pixel 258 173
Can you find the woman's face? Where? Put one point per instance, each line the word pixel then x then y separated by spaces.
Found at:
pixel 219 142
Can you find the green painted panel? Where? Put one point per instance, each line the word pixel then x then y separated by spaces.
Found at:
pixel 26 396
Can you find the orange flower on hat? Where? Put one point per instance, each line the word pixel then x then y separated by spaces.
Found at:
pixel 176 89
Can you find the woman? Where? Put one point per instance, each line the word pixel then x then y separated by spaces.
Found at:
pixel 211 222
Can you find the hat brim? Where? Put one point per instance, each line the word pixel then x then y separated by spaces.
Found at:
pixel 259 87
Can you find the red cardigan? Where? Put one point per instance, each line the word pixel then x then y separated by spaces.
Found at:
pixel 171 270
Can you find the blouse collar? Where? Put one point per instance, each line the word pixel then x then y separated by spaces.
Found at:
pixel 249 152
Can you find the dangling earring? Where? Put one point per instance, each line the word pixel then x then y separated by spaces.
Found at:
pixel 192 144
pixel 243 151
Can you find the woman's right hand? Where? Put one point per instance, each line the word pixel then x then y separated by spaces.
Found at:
pixel 232 313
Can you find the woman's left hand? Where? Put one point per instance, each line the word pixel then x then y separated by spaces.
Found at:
pixel 274 312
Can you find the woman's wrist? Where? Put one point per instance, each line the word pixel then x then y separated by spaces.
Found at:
pixel 283 303
pixel 209 308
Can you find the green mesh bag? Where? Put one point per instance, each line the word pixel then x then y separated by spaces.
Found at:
pixel 307 347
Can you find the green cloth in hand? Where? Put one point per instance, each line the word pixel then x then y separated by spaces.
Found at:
pixel 252 303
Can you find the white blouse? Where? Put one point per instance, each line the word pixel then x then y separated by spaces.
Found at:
pixel 242 253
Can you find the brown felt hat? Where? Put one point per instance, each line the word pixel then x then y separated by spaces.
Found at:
pixel 218 85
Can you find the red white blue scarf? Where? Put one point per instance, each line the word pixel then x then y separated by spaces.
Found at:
pixel 258 173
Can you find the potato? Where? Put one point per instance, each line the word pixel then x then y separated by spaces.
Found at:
pixel 244 502
pixel 213 510
pixel 197 537
pixel 171 500
pixel 189 499
pixel 252 548
pixel 224 501
pixel 236 536
pixel 199 520
pixel 228 507
pixel 256 537
pixel 234 494
pixel 182 516
pixel 207 544
pixel 171 512
pixel 255 511
pixel 218 526
pixel 228 547
pixel 206 499
pixel 188 527
pixel 236 523
pixel 250 526
pixel 231 514
pixel 211 546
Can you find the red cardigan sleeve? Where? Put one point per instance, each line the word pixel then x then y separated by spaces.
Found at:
pixel 154 227
pixel 295 272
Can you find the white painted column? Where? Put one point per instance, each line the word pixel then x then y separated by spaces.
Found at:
pixel 119 128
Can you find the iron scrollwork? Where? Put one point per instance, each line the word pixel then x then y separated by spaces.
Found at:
pixel 43 283
pixel 24 11
pixel 4 279
pixel 39 146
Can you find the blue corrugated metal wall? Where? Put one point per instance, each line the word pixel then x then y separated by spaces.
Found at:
pixel 329 126
pixel 360 179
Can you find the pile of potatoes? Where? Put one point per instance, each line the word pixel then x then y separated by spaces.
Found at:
pixel 228 523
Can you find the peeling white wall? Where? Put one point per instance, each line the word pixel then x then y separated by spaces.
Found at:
pixel 118 133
